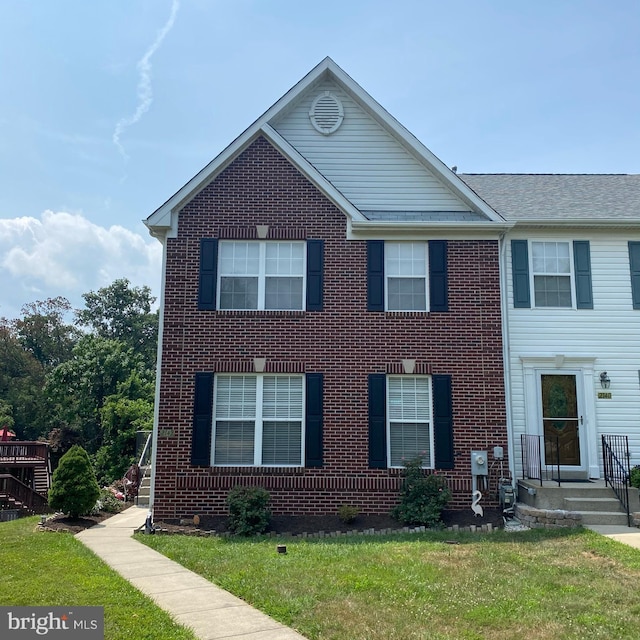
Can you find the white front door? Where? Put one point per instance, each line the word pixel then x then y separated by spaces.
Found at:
pixel 561 420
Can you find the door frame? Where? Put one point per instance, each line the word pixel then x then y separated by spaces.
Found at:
pixel 584 370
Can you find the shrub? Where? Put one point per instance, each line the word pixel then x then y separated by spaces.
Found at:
pixel 107 502
pixel 422 497
pixel 249 513
pixel 347 513
pixel 635 477
pixel 74 489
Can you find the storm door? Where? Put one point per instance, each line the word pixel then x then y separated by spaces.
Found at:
pixel 562 419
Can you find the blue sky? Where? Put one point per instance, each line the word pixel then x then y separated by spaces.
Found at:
pixel 109 107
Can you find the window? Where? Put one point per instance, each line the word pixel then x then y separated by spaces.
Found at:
pixel 406 276
pixel 409 419
pixel 551 269
pixel 261 275
pixel 258 420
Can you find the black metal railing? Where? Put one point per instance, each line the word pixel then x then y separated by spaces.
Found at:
pixel 615 455
pixel 532 463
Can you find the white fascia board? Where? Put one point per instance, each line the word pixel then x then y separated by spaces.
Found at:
pixel 311 173
pixel 161 219
pixel 392 229
pixel 413 145
pixel 576 223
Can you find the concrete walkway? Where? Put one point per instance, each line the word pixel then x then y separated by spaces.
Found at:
pixel 192 601
pixel 626 535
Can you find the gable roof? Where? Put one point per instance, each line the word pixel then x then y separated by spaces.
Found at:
pixel 561 198
pixel 479 214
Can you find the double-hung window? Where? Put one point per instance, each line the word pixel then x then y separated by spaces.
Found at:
pixel 258 420
pixel 552 275
pixel 406 276
pixel 264 275
pixel 409 421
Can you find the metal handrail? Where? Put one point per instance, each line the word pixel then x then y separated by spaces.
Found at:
pixel 617 473
pixel 145 459
pixel 531 450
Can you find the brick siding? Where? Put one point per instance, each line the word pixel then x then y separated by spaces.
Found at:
pixel 345 342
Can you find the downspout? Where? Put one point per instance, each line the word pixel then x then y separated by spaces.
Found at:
pixel 506 351
pixel 156 404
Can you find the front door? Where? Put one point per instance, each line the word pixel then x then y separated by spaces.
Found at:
pixel 562 420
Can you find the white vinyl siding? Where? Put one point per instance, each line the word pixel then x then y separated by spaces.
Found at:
pixel 364 161
pixel 258 420
pixel 409 423
pixel 603 336
pixel 261 275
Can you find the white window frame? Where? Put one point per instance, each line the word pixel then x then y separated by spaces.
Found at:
pixel 570 275
pixel 259 419
pixel 388 277
pixel 430 449
pixel 262 275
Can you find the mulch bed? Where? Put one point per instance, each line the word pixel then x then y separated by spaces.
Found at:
pixel 294 525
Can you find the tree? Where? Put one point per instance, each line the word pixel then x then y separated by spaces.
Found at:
pixel 74 489
pixel 77 389
pixel 124 414
pixel 121 312
pixel 43 333
pixel 21 385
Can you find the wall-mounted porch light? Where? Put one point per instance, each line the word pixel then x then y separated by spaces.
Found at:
pixel 605 381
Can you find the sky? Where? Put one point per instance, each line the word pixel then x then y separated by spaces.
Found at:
pixel 108 107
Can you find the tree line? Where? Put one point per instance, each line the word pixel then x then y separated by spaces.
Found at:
pixel 84 376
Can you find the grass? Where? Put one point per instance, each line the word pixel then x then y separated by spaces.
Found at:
pixel 541 585
pixel 55 569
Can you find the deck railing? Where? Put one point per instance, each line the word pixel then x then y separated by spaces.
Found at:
pixel 531 448
pixel 12 488
pixel 615 455
pixel 23 452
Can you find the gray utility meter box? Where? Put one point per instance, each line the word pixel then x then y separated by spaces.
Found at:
pixel 479 466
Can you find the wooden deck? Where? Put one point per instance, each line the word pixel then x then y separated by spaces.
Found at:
pixel 24 453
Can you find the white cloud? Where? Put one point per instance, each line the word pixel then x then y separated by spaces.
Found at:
pixel 145 90
pixel 64 254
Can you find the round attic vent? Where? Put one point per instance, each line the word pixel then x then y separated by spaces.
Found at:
pixel 326 113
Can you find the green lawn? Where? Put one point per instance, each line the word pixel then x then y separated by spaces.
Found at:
pixel 54 569
pixel 535 585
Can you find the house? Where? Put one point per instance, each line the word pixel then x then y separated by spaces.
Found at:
pixel 330 308
pixel 572 317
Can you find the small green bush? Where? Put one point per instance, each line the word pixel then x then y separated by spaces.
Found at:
pixel 422 497
pixel 348 513
pixel 635 477
pixel 74 489
pixel 249 513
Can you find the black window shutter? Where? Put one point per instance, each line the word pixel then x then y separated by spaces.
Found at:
pixel 313 420
pixel 634 264
pixel 202 420
pixel 315 277
pixel 582 266
pixel 377 421
pixel 375 275
pixel 520 273
pixel 438 296
pixel 208 274
pixel 442 422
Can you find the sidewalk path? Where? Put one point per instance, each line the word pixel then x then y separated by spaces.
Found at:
pixel 192 601
pixel 626 535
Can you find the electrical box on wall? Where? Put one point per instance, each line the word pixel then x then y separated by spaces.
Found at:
pixel 479 465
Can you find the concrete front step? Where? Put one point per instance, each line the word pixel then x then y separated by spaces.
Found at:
pixel 604 517
pixel 593 504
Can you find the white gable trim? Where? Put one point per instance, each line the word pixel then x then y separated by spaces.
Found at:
pixel 162 221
